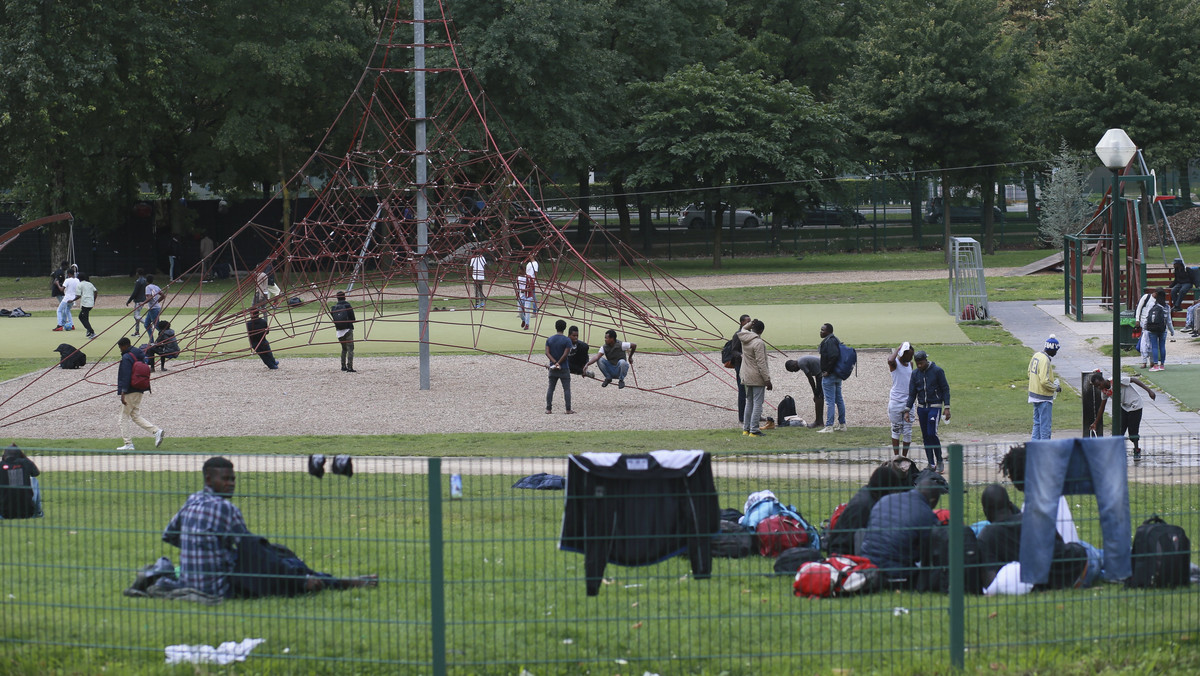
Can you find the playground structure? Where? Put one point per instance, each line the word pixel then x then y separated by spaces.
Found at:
pixel 1094 241
pixel 411 183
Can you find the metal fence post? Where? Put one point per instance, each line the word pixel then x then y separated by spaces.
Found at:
pixel 437 573
pixel 957 609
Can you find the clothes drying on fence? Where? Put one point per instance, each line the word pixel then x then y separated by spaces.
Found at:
pixel 20 497
pixel 636 510
pixel 1054 467
pixel 542 482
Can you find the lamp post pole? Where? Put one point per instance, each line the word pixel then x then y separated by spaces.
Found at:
pixel 1117 225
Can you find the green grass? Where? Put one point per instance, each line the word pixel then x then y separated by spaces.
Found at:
pixel 513 600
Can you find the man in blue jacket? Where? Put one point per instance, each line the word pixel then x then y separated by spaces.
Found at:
pixel 899 530
pixel 931 393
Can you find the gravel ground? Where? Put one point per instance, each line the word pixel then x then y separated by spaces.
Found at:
pixel 311 396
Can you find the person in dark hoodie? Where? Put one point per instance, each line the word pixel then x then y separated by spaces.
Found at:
pixel 929 390
pixel 845 536
pixel 831 385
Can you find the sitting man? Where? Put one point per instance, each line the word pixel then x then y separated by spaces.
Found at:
pixel 578 358
pixel 614 359
pixel 167 346
pixel 899 530
pixel 220 557
pixel 846 536
pixel 20 497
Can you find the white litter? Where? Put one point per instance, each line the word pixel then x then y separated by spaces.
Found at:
pixel 226 653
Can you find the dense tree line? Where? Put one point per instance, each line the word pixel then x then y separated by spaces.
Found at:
pixel 755 102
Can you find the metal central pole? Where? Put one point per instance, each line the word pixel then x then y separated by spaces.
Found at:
pixel 1117 226
pixel 422 198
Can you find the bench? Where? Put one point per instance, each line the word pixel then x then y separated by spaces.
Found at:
pixel 1162 278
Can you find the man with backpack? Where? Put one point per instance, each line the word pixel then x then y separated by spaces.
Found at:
pixel 343 322
pixel 928 389
pixel 133 380
pixel 831 384
pixel 1158 322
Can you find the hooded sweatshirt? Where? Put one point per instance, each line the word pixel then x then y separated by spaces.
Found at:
pixel 755 372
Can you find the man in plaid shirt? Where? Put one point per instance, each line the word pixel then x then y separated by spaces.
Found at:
pixel 207 529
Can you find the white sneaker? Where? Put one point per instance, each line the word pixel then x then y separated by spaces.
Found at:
pixel 158 437
pixel 127 447
pixel 827 428
pixel 841 427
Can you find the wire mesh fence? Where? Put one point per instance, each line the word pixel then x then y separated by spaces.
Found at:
pixel 477 580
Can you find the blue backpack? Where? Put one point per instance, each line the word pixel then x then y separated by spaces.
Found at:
pixel 846 363
pixel 765 509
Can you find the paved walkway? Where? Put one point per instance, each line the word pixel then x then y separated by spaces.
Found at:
pixel 1032 323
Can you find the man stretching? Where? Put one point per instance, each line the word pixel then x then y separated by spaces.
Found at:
pixel 900 365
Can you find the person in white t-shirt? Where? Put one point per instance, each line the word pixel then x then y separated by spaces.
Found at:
pixel 87 301
pixel 477 266
pixel 70 293
pixel 900 365
pixel 614 358
pixel 1131 406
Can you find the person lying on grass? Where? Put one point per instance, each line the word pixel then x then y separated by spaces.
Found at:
pixel 221 557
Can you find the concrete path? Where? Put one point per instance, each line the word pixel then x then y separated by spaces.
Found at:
pixel 1032 323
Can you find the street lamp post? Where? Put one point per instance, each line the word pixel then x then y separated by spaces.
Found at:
pixel 1116 150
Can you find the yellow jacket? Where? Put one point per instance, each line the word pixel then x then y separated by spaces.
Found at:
pixel 1041 377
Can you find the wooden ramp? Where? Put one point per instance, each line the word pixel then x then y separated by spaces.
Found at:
pixel 1048 264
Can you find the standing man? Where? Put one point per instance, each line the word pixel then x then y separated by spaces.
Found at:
pixel 578 358
pixel 87 301
pixel 56 283
pixel 206 265
pixel 343 322
pixel 478 265
pixel 131 396
pixel 758 375
pixel 70 287
pixel 1043 386
pixel 526 304
pixel 614 359
pixel 558 350
pixel 737 366
pixel 1131 406
pixel 831 385
pixel 900 365
pixel 930 392
pixel 811 367
pixel 138 296
pixel 257 330
pixel 154 300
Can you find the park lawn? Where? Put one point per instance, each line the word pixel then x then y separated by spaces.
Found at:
pixel 513 600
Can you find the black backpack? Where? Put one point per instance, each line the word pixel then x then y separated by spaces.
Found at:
pixel 934 573
pixel 731 354
pixel 1156 319
pixel 70 357
pixel 735 541
pixel 1162 555
pixel 786 408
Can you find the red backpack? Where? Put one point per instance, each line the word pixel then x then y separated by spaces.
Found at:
pixel 836 576
pixel 139 377
pixel 779 533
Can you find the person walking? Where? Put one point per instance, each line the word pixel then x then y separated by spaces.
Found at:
pixel 478 265
pixel 929 391
pixel 831 385
pixel 138 297
pixel 558 350
pixel 737 365
pixel 1131 406
pixel 131 396
pixel 256 331
pixel 87 301
pixel 343 322
pixel 900 366
pixel 70 287
pixel 756 375
pixel 1158 322
pixel 154 302
pixel 1043 386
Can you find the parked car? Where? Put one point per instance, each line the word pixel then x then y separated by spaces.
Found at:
pixel 831 214
pixel 692 216
pixel 960 214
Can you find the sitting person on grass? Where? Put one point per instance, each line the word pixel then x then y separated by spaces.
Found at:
pixel 220 557
pixel 846 536
pixel 899 530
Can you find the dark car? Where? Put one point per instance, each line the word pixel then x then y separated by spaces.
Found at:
pixel 960 214
pixel 825 214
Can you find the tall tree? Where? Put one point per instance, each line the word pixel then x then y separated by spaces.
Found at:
pixel 934 88
pixel 725 127
pixel 1132 65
